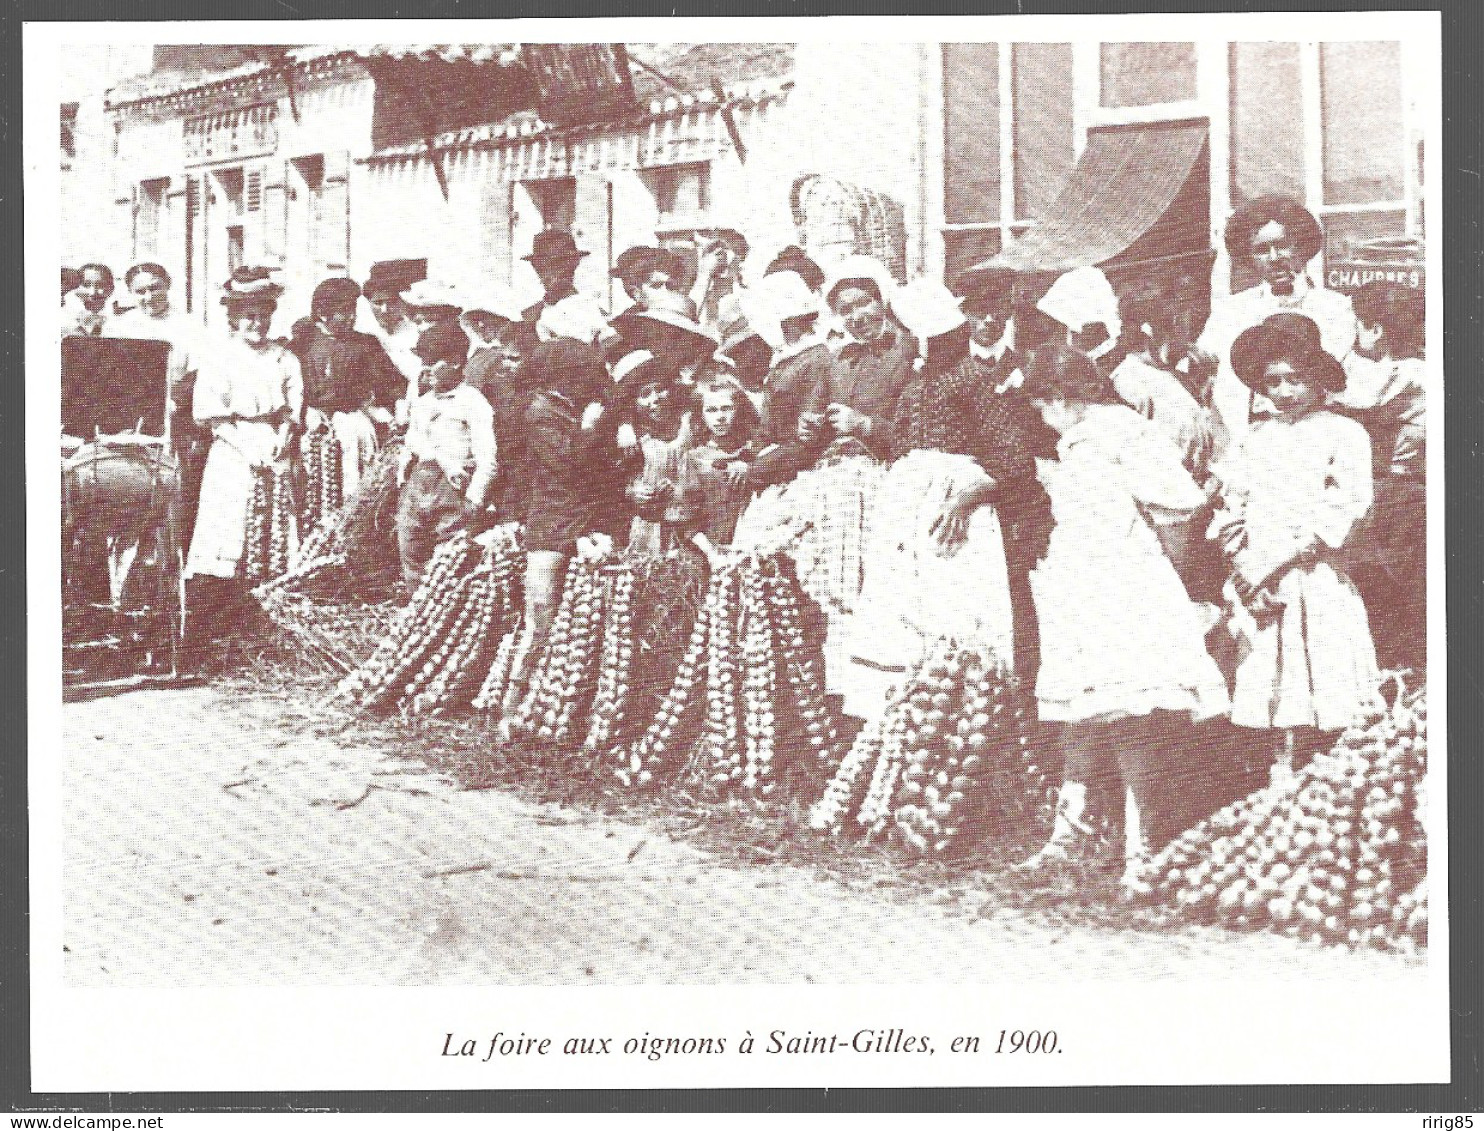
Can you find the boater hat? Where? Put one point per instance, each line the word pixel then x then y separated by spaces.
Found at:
pixel 425 293
pixel 1289 337
pixel 249 284
pixel 495 300
pixel 553 244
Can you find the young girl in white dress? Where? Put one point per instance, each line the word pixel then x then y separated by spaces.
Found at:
pixel 1121 641
pixel 1292 493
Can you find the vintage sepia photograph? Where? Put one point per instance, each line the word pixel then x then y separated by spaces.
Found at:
pixel 841 510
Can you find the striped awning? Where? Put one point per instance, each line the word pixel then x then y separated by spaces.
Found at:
pixel 1138 192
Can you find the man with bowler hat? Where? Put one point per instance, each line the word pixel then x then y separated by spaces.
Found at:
pixel 554 257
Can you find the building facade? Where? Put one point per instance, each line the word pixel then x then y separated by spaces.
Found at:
pixel 939 157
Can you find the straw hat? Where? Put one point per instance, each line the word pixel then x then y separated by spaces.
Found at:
pixel 495 300
pixel 251 283
pixel 427 293
pixel 668 327
pixel 576 317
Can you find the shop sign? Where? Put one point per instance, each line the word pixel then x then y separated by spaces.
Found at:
pixel 232 135
pixel 1389 260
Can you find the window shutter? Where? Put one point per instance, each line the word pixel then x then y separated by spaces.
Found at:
pixel 592 228
pixel 333 219
pixel 134 251
pixel 495 231
pixel 195 252
pixel 274 213
pixel 254 243
pixel 172 237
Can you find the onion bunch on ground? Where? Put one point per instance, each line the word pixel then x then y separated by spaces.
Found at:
pixel 323 481
pixel 748 676
pixel 1338 855
pixel 949 765
pixel 565 679
pixel 351 551
pixel 439 652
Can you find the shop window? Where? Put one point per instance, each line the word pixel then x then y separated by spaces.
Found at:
pixel 965 248
pixel 971 133
pixel 1044 139
pixel 1361 85
pixel 1345 232
pixel 236 247
pixel 1147 74
pixel 1267 134
pixel 682 194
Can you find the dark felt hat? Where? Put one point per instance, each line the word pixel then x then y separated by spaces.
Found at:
pixel 553 244
pixel 393 276
pixel 1289 337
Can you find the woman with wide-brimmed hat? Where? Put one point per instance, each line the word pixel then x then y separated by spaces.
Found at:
pixel 668 328
pixel 1292 493
pixel 250 396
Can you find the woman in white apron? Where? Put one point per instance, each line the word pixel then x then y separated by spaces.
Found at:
pixel 935 564
pixel 250 397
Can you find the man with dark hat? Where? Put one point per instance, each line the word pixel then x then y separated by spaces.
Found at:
pixel 450 453
pixel 554 257
pixel 1279 237
pixel 391 325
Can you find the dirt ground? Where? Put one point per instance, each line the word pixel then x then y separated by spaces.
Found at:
pixel 216 838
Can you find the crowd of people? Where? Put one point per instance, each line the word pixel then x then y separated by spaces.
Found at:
pixel 1145 517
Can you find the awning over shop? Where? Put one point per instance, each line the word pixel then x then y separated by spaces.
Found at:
pixel 1139 193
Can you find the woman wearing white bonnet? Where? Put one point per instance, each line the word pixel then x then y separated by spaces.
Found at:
pixel 1082 300
pixel 962 475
